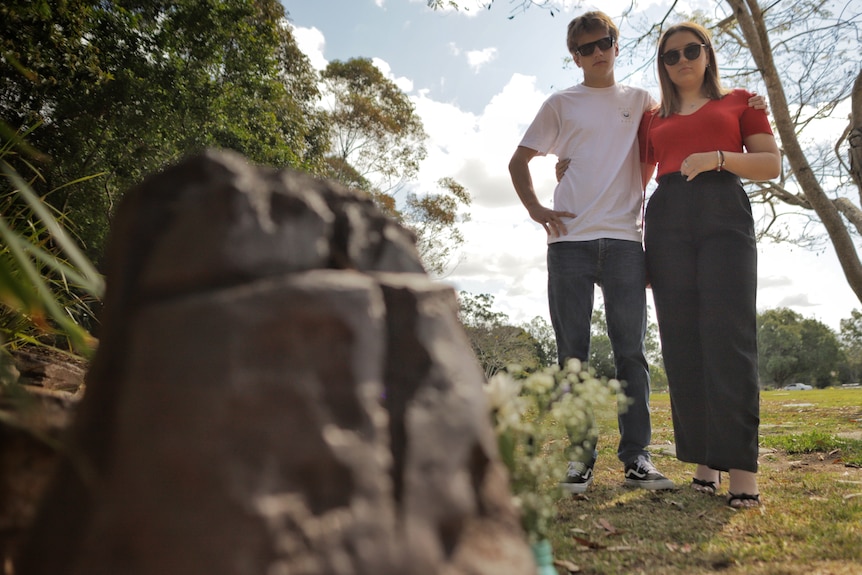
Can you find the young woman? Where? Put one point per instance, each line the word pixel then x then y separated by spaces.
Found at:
pixel 702 258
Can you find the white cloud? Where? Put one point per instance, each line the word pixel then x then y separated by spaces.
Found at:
pixel 810 283
pixel 404 84
pixel 478 58
pixel 475 149
pixel 504 251
pixel 796 300
pixel 773 282
pixel 311 42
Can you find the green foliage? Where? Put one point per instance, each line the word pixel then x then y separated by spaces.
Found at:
pixel 47 285
pixel 850 337
pixel 601 352
pixel 822 354
pixel 126 87
pixel 808 442
pixel 542 333
pixel 658 377
pixel 792 348
pixel 477 311
pixel 779 342
pixel 495 342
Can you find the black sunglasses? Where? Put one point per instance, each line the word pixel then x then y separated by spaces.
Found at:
pixel 690 51
pixel 590 47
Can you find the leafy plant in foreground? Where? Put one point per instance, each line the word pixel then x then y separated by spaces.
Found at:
pixel 47 285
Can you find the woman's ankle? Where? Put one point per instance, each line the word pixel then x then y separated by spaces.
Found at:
pixel 706 473
pixel 743 482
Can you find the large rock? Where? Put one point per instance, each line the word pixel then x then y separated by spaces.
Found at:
pixel 279 389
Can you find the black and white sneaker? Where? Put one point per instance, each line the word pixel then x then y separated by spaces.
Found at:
pixel 643 474
pixel 578 477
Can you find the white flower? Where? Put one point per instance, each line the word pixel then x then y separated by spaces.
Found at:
pixel 540 383
pixel 528 412
pixel 573 365
pixel 502 389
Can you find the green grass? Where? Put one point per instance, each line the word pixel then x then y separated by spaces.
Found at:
pixel 810 478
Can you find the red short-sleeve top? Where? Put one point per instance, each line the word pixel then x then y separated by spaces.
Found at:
pixel 718 125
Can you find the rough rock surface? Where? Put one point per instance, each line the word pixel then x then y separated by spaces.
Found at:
pixel 34 413
pixel 279 389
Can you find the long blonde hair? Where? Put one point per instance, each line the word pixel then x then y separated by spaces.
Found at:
pixel 670 101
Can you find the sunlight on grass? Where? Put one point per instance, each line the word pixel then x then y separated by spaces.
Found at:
pixel 810 477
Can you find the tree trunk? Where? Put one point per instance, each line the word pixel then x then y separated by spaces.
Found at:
pixel 750 19
pixel 855 137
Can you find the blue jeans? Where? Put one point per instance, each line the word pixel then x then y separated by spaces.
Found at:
pixel 618 267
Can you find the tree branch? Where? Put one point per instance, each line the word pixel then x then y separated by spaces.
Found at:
pixel 855 136
pixel 850 211
pixel 750 20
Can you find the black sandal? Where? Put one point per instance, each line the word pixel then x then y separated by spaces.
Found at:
pixel 709 487
pixel 741 498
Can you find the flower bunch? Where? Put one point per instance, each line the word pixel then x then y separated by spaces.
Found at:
pixel 542 420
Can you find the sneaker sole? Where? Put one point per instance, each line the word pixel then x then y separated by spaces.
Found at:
pixel 576 488
pixel 656 485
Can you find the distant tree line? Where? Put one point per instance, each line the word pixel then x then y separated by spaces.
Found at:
pixel 791 348
pixel 498 343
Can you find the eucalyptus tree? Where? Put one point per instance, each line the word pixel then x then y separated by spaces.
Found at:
pixel 374 127
pixel 434 218
pixel 377 143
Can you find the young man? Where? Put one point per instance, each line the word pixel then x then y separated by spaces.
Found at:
pixel 594 233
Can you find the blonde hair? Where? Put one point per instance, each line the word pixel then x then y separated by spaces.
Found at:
pixel 712 88
pixel 586 23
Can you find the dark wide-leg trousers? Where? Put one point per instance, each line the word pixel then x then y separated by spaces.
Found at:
pixel 702 263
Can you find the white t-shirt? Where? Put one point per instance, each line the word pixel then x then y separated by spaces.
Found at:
pixel 597 129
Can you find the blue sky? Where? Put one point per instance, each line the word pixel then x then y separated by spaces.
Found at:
pixel 477 79
pixel 463 58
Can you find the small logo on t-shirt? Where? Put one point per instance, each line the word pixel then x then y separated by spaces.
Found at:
pixel 625 115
